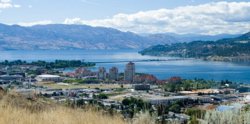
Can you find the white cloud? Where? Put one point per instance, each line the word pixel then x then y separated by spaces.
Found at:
pixel 210 18
pixel 4 4
pixel 45 22
pixel 73 21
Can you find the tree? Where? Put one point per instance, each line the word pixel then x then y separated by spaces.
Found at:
pixel 102 96
pixel 193 120
pixel 126 102
pixel 175 108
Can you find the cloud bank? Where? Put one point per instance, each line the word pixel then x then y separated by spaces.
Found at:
pixel 211 18
pixel 4 4
pixel 44 22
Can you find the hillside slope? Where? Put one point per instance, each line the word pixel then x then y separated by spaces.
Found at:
pixel 59 36
pixel 230 49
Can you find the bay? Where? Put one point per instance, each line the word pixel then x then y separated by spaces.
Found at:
pixel 189 68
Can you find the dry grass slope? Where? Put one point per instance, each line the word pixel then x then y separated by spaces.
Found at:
pixel 10 115
pixel 16 110
pixel 227 117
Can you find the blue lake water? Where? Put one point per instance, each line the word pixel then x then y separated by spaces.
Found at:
pixel 189 69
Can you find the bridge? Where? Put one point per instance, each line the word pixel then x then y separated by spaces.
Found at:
pixel 145 60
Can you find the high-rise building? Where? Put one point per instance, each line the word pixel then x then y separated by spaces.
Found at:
pixel 101 73
pixel 113 73
pixel 129 72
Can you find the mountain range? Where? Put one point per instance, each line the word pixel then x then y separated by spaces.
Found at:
pixel 60 36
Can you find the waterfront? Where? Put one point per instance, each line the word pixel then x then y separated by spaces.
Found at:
pixel 189 69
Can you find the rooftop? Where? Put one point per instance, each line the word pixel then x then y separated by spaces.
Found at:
pixel 48 76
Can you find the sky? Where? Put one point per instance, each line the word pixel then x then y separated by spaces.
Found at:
pixel 140 16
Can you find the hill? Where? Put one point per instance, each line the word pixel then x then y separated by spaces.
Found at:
pixel 230 49
pixel 179 38
pixel 59 36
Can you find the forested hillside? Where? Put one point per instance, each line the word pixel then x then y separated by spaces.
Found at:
pixel 233 49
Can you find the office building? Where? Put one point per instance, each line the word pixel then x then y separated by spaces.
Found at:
pixel 101 73
pixel 129 72
pixel 113 73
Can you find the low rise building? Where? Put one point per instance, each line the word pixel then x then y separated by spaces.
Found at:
pixel 166 100
pixel 201 91
pixel 47 77
pixel 141 87
pixel 11 78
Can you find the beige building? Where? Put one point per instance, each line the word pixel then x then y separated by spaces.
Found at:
pixel 113 73
pixel 129 72
pixel 101 73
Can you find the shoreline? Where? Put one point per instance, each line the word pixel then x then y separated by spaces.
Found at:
pixel 234 60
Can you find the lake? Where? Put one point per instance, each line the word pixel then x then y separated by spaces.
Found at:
pixel 188 69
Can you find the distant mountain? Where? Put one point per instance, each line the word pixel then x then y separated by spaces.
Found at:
pixel 58 36
pixel 228 49
pixel 174 38
pixel 161 38
pixel 244 37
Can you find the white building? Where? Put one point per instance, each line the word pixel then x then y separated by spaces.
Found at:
pixel 166 100
pixel 247 99
pixel 47 77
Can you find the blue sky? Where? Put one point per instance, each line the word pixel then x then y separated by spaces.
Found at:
pixel 58 10
pixel 104 13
